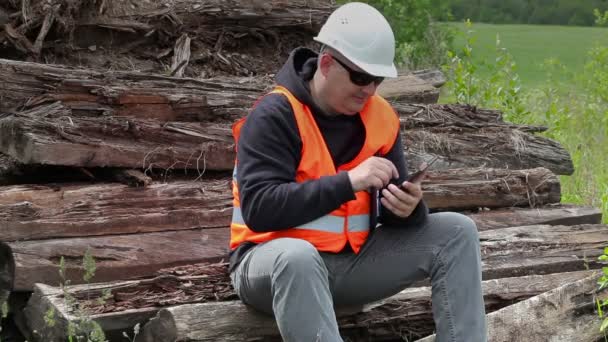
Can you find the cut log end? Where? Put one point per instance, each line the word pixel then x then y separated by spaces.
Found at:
pixel 160 328
pixel 7 271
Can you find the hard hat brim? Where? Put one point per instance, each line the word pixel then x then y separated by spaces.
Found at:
pixel 378 70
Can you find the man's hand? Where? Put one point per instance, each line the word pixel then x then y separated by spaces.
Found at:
pixel 374 172
pixel 402 203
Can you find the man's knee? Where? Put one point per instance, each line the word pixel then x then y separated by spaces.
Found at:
pixel 466 225
pixel 299 257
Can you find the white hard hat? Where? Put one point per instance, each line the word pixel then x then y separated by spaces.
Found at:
pixel 361 33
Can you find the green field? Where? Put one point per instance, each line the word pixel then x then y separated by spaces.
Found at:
pixel 530 45
pixel 574 105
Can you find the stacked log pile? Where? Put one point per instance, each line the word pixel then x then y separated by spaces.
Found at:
pixel 115 138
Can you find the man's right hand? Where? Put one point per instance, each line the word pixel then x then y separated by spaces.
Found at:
pixel 373 172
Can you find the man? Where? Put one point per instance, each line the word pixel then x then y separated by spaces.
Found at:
pixel 304 233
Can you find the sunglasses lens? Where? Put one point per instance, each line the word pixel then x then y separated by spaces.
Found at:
pixel 362 79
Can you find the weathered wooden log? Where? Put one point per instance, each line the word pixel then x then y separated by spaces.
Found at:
pixel 408 89
pixel 433 76
pixel 541 249
pixel 127 256
pixel 34 212
pixel 506 252
pixel 565 313
pixel 492 147
pixel 410 309
pixel 93 93
pixel 113 141
pixel 134 302
pixel 461 189
pixel 60 139
pixel 7 272
pixel 554 214
pixel 10 169
pixel 458 115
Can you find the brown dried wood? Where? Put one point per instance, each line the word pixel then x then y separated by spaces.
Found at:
pixel 49 135
pixel 35 212
pixel 52 134
pixel 461 189
pixel 566 313
pixel 406 312
pixel 491 147
pixel 537 249
pixel 221 99
pixel 408 89
pixel 553 214
pixel 118 257
pixel 204 17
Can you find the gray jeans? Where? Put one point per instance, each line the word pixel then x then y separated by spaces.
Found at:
pixel 301 286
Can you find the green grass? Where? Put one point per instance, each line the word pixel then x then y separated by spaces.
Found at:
pixel 571 99
pixel 530 45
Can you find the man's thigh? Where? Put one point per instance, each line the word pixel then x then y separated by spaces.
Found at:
pixel 252 278
pixel 392 259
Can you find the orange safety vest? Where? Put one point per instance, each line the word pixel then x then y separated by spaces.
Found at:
pixel 350 222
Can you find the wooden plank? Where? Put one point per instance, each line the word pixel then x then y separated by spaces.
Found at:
pixel 555 214
pixel 114 141
pixel 505 252
pixel 234 321
pixel 7 272
pixel 93 93
pixel 410 306
pixel 565 313
pixel 61 139
pixel 32 212
pixel 408 89
pixel 118 256
pixel 491 147
pixel 433 76
pixel 461 189
pixel 541 249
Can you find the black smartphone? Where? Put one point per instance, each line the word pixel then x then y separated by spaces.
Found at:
pixel 418 175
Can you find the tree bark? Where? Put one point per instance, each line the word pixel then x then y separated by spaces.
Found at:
pixel 7 272
pixel 50 134
pixel 410 309
pixel 460 189
pixel 199 17
pixel 58 139
pixel 505 252
pixel 35 212
pixel 408 89
pixel 541 249
pixel 118 257
pixel 565 313
pixel 93 93
pixel 492 147
pixel 555 214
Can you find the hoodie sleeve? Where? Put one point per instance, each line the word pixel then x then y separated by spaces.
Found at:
pixel 419 215
pixel 268 153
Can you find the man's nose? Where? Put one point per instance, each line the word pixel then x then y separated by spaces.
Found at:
pixel 370 89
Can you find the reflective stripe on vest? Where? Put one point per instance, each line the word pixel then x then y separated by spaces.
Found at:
pixel 327 223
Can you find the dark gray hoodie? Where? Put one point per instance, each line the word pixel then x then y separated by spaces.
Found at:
pixel 268 156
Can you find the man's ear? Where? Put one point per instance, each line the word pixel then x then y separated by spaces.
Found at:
pixel 325 62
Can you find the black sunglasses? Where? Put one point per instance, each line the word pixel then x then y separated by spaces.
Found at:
pixel 359 78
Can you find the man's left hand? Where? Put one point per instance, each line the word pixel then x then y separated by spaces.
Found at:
pixel 402 203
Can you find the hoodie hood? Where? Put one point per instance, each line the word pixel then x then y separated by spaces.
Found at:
pixel 295 74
